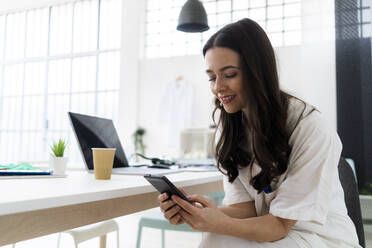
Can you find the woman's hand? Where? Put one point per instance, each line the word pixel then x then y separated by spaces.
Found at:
pixel 171 209
pixel 203 215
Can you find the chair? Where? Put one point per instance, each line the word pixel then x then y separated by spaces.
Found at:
pixel 351 198
pixel 84 233
pixel 158 221
pixel 101 230
pixel 352 165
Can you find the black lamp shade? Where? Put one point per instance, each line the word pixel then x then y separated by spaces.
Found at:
pixel 193 17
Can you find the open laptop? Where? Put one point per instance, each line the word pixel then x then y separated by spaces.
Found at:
pixel 91 131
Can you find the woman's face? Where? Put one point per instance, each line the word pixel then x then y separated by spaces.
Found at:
pixel 226 79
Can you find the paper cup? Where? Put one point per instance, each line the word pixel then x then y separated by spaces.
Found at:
pixel 103 160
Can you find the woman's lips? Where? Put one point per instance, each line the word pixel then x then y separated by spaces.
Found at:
pixel 227 99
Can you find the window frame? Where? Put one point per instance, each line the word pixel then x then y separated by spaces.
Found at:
pixel 46 59
pixel 214 14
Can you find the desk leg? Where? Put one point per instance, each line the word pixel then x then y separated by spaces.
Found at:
pixel 102 241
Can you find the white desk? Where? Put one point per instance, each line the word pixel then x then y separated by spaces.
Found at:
pixel 31 208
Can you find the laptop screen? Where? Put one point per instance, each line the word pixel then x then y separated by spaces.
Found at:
pixel 91 131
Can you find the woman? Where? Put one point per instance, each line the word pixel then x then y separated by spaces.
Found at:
pixel 278 156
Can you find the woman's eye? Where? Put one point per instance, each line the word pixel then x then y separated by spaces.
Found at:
pixel 231 75
pixel 212 79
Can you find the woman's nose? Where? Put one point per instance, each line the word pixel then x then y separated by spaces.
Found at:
pixel 219 85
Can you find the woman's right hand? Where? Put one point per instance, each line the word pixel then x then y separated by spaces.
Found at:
pixel 170 209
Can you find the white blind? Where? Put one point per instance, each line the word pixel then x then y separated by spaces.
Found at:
pixel 54 60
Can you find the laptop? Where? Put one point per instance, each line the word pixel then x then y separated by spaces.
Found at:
pixel 92 131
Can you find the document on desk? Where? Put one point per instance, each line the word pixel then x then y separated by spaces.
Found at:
pixel 200 168
pixel 6 172
pixel 23 170
pixel 197 165
pixel 29 176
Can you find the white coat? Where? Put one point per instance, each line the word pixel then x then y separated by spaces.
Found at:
pixel 309 191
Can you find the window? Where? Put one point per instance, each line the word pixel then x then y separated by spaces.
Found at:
pixel 364 18
pixel 281 19
pixel 353 20
pixel 53 60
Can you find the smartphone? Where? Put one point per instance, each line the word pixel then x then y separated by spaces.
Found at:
pixel 163 185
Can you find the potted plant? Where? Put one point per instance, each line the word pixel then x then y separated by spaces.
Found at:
pixel 57 161
pixel 139 146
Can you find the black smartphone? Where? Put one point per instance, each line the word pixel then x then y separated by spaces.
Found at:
pixel 163 185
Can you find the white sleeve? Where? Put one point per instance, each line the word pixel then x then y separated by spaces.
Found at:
pixel 235 192
pixel 306 191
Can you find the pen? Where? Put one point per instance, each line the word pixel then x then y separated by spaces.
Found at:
pixel 268 190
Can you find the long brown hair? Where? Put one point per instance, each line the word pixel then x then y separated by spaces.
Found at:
pixel 260 135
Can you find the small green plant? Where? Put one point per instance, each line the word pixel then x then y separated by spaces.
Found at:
pixel 58 148
pixel 139 146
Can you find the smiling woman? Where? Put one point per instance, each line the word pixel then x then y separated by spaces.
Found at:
pixel 278 155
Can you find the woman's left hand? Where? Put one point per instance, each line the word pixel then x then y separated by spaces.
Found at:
pixel 203 215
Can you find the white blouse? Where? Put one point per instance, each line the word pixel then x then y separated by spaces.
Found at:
pixel 310 190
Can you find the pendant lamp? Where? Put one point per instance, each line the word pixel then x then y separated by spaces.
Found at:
pixel 193 17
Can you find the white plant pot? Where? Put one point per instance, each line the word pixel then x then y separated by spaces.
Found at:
pixel 58 165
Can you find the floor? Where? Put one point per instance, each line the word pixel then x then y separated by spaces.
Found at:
pixel 151 238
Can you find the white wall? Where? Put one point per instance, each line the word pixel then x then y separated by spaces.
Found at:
pixel 129 72
pixel 318 66
pixel 307 70
pixel 308 76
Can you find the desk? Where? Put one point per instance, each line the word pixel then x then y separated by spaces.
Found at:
pixel 32 208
